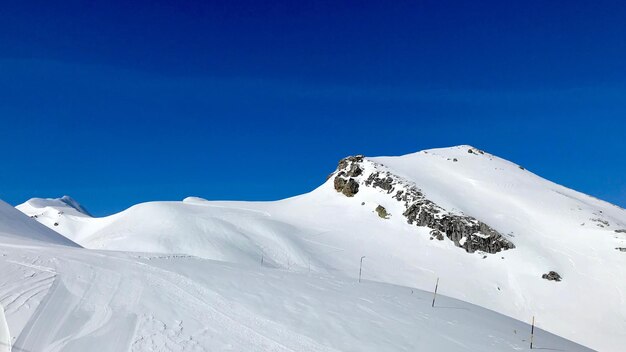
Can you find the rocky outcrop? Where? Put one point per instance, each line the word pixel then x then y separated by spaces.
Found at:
pixel 552 276
pixel 473 150
pixel 350 166
pixel 344 180
pixel 348 187
pixel 382 212
pixel 436 234
pixel 465 231
pixel 383 182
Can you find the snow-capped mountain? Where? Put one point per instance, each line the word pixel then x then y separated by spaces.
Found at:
pixel 60 297
pixel 495 234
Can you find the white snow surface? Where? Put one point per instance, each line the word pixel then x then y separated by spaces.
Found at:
pixel 63 298
pixel 14 222
pixel 5 335
pixel 310 246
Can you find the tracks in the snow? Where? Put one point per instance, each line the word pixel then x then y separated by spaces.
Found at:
pixel 87 304
pixel 246 330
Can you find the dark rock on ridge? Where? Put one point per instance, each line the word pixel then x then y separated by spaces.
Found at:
pixel 382 212
pixel 436 234
pixel 552 276
pixel 385 183
pixel 349 187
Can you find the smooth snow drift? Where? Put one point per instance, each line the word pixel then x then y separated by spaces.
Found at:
pixel 62 298
pixel 325 232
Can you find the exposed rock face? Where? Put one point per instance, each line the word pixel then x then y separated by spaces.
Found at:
pixel 383 182
pixel 382 212
pixel 475 151
pixel 348 187
pixel 552 276
pixel 350 165
pixel 621 231
pixel 344 180
pixel 436 234
pixel 465 231
pixel 621 249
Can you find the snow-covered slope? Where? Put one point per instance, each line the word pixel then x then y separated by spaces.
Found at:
pixel 63 298
pixel 486 227
pixel 16 227
pixel 5 336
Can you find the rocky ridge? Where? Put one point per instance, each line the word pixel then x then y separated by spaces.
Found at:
pixel 354 172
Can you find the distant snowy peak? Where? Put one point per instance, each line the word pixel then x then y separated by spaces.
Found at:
pixel 65 204
pixel 55 212
pixel 74 204
pixel 194 200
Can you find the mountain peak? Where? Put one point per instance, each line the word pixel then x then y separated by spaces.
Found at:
pixel 65 204
pixel 74 204
pixel 354 173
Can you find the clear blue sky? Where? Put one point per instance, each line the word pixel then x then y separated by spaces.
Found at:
pixel 120 102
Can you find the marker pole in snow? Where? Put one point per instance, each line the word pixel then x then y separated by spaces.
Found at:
pixel 532 332
pixel 360 268
pixel 435 295
pixel 261 259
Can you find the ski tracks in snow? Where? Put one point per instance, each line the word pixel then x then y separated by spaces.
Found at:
pixel 244 330
pixel 70 313
pixel 87 304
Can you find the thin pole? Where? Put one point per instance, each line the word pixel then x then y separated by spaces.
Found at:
pixel 361 268
pixel 532 332
pixel 435 295
pixel 261 259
